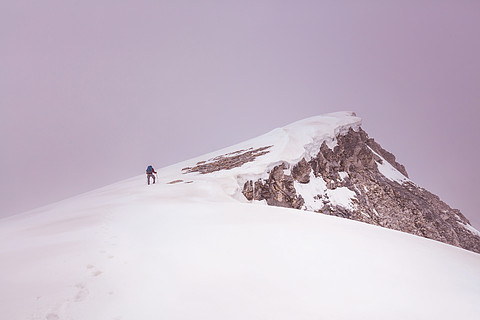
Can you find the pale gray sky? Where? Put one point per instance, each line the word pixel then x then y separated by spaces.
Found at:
pixel 93 91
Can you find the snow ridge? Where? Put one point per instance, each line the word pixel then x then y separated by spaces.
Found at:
pixel 191 246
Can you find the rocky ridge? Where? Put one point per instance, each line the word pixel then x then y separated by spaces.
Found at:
pixel 227 161
pixel 377 186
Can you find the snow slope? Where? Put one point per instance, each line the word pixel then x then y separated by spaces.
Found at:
pixel 192 250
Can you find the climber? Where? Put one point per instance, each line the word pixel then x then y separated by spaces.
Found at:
pixel 150 174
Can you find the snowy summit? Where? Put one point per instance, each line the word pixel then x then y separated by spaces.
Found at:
pixel 253 231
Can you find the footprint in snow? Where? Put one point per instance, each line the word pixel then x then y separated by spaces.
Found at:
pixel 96 272
pixel 82 293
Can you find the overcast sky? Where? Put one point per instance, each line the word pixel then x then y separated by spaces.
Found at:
pixel 93 91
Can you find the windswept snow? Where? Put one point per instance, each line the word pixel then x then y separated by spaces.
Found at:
pixel 307 136
pixel 131 251
pixel 191 250
pixel 291 143
pixel 389 171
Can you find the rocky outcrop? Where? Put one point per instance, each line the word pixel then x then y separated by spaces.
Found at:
pixel 385 154
pixel 277 190
pixel 301 171
pixel 227 161
pixel 353 165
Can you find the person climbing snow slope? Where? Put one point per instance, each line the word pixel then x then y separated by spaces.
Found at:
pixel 150 174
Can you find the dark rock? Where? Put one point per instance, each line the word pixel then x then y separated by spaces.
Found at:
pixel 301 171
pixel 277 190
pixel 227 161
pixel 400 206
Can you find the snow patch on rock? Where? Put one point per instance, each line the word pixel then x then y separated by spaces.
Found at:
pixel 316 195
pixel 312 192
pixel 311 133
pixel 470 228
pixel 342 197
pixel 343 175
pixel 389 171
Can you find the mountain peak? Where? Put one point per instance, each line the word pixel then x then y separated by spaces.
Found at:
pixel 211 232
pixel 328 164
pixel 291 143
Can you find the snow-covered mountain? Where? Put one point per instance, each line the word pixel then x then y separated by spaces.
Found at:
pixel 221 237
pixel 328 164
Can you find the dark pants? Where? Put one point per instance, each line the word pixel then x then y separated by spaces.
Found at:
pixel 150 175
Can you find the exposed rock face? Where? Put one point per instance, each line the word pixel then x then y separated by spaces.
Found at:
pixel 277 190
pixel 354 166
pixel 301 171
pixel 227 161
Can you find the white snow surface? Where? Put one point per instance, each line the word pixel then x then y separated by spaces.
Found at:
pixel 301 139
pixel 342 197
pixel 389 171
pixel 193 251
pixel 316 192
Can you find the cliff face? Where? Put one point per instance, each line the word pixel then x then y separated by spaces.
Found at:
pixel 377 187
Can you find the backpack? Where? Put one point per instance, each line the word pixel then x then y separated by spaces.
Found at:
pixel 149 169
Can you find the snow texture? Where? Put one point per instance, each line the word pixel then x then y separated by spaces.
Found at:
pixel 192 250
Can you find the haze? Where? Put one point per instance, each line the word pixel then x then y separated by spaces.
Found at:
pixel 91 92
